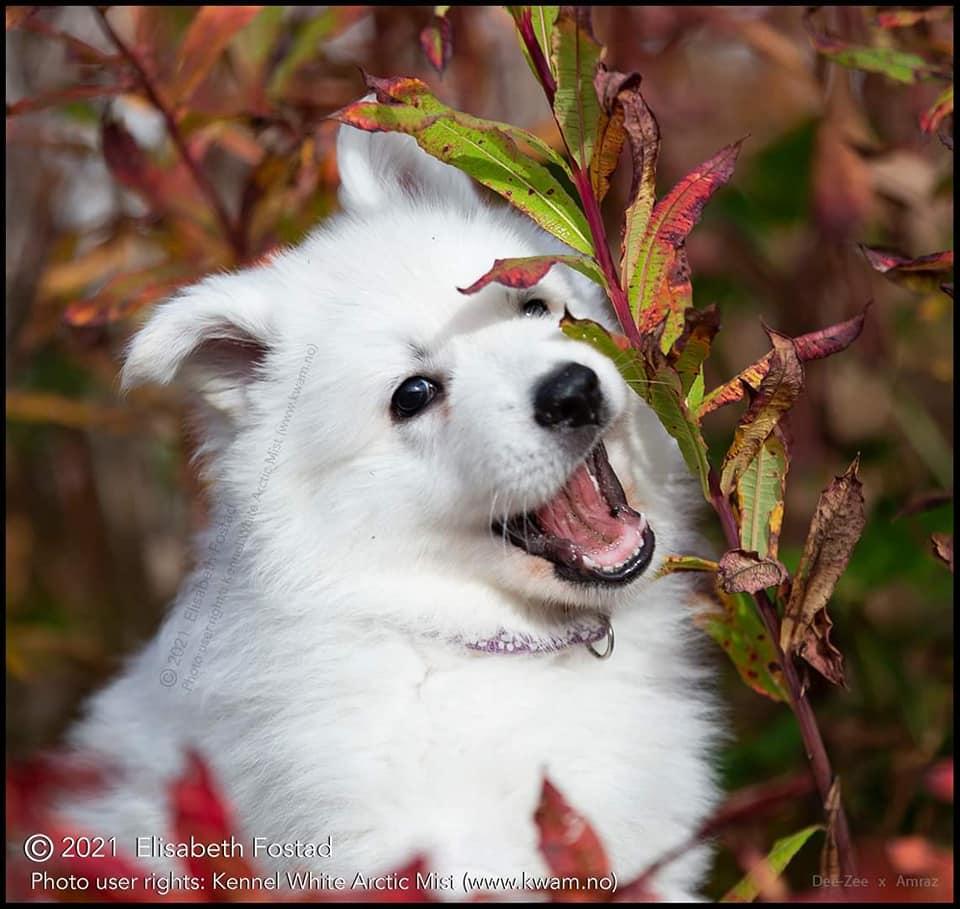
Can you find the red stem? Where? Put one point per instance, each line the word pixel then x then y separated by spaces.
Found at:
pixel 807 721
pixel 232 232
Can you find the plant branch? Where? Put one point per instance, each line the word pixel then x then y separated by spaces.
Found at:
pixel 807 721
pixel 232 231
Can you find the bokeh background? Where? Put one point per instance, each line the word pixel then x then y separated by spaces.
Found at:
pixel 103 219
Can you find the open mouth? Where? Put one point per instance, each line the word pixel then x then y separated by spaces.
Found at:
pixel 587 529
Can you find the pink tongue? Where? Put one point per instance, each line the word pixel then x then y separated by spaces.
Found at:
pixel 579 513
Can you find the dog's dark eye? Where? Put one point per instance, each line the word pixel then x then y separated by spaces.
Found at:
pixel 536 308
pixel 412 395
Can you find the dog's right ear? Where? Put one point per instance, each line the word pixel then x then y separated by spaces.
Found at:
pixel 379 168
pixel 210 338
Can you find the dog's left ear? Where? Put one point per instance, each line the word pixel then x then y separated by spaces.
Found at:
pixel 211 338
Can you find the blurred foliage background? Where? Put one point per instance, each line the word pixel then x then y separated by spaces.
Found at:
pixel 105 216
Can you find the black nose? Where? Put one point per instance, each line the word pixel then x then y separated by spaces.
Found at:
pixel 569 396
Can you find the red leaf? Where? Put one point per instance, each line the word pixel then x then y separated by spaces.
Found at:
pixel 939 780
pixel 529 270
pixel 200 812
pixel 129 164
pixel 32 784
pixel 568 842
pixel 659 280
pixel 436 39
pixel 813 346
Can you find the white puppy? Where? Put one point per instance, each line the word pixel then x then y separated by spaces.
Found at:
pixel 391 631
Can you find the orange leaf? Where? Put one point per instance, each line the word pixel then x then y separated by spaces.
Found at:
pixel 208 36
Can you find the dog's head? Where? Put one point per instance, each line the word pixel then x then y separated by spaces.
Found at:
pixel 375 421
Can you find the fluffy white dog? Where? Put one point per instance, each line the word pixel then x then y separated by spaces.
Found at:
pixel 426 507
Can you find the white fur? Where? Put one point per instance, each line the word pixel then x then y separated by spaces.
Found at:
pixel 346 551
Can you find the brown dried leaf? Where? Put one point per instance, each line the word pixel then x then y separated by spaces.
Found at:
pixel 615 91
pixel 834 531
pixel 745 572
pixel 923 274
pixel 813 346
pixel 943 548
pixel 778 390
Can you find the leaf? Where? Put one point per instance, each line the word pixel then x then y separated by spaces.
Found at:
pixel 659 261
pixel 666 398
pixel 939 111
pixel 129 164
pixel 614 346
pixel 693 346
pixel 943 548
pixel 922 275
pixel 478 147
pixel 778 390
pixel 737 628
pixel 529 270
pixel 575 54
pixel 15 15
pixel 674 563
pixel 66 96
pixel 813 346
pixel 206 39
pixel 611 135
pixel 200 813
pixel 436 39
pixel 904 18
pixel 643 139
pixel 568 843
pixel 777 860
pixel 836 526
pixel 938 780
pixel 746 572
pixel 760 492
pixel 896 65
pixel 536 22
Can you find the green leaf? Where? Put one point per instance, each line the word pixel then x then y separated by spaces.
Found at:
pixel 576 54
pixel 693 346
pixel 666 398
pixel 616 347
pixel 780 856
pixel 732 621
pixel 672 563
pixel 530 270
pixel 760 491
pixel 899 66
pixel 478 147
